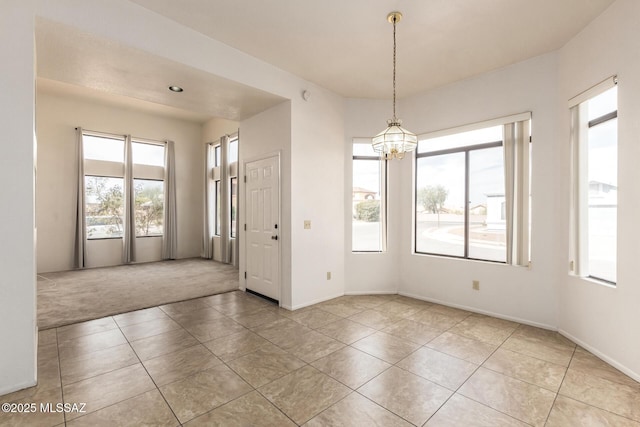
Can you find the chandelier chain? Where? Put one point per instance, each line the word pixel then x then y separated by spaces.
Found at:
pixel 394 69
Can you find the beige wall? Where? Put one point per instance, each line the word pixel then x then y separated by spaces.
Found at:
pixel 57 116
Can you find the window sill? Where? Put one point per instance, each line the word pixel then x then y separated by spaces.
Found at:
pixel 595 281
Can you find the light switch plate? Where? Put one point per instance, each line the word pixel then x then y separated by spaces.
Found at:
pixel 307 224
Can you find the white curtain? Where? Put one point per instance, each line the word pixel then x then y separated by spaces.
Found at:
pixel 129 241
pixel 225 203
pixel 170 238
pixel 80 250
pixel 207 238
pixel 517 191
pixel 577 232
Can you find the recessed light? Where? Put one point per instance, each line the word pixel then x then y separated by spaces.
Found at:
pixel 175 89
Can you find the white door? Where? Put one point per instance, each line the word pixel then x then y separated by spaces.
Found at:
pixel 263 228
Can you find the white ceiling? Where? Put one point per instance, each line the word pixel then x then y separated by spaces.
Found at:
pixel 342 45
pixel 346 45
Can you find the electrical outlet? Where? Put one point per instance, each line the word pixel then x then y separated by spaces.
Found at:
pixel 328 275
pixel 307 224
pixel 476 285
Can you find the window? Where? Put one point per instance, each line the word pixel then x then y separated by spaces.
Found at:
pixel 460 191
pixel 104 207
pixel 368 199
pixel 218 209
pixel 472 197
pixel 104 157
pixel 217 155
pixel 234 205
pixel 149 207
pixel 595 149
pixel 233 150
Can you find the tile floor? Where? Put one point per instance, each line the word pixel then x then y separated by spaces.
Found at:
pixel 235 360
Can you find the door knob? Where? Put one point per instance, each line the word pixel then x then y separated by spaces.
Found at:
pixel 274 237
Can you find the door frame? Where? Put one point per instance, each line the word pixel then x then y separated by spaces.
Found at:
pixel 243 186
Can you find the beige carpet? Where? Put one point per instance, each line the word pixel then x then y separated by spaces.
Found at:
pixel 74 296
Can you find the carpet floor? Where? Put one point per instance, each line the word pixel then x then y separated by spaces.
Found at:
pixel 75 296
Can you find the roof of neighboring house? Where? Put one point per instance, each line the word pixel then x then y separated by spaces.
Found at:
pixel 363 190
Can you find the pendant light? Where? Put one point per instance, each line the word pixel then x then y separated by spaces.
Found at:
pixel 394 141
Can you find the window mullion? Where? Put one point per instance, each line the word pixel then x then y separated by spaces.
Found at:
pixel 466 204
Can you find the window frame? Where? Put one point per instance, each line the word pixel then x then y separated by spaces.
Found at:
pixel 466 150
pixel 581 240
pixel 383 185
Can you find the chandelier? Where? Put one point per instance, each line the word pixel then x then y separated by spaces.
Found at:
pixel 394 141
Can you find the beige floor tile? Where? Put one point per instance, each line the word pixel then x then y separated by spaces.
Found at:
pixel 37 418
pixel 405 394
pixel 148 409
pixel 454 313
pixel 543 336
pixel 397 308
pixel 523 401
pixel 48 378
pixel 460 411
pixel 76 330
pixel 314 318
pixel 203 315
pixel 611 396
pixel 96 363
pixel 411 330
pixel 139 316
pixel 571 413
pixel 243 306
pixel 236 345
pixel 187 306
pixel 587 363
pixel 434 320
pixel 265 365
pixel 89 343
pixel 48 336
pixel 180 364
pixel 210 330
pixel 253 319
pixel 312 346
pixel 369 301
pixel 493 322
pixel 281 331
pixel 440 368
pixel 249 410
pixel 107 389
pixel 386 347
pixel 351 367
pixel 161 344
pixel 304 393
pixel 476 328
pixel 341 309
pixel 526 368
pixel 149 329
pixel 468 349
pixel 224 298
pixel 540 349
pixel 356 410
pixel 204 391
pixel 413 301
pixel 346 331
pixel 375 319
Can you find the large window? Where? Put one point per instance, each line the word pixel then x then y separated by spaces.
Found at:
pixel 595 144
pixel 149 207
pixel 460 195
pixel 368 199
pixel 104 164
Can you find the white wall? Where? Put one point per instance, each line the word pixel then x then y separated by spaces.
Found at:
pixel 372 272
pixel 317 180
pixel 17 255
pixel 265 134
pixel 605 320
pixel 517 293
pixel 58 115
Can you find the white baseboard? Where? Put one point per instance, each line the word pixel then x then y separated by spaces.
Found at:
pixel 601 355
pixel 371 293
pixel 485 312
pixel 16 387
pixel 307 304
